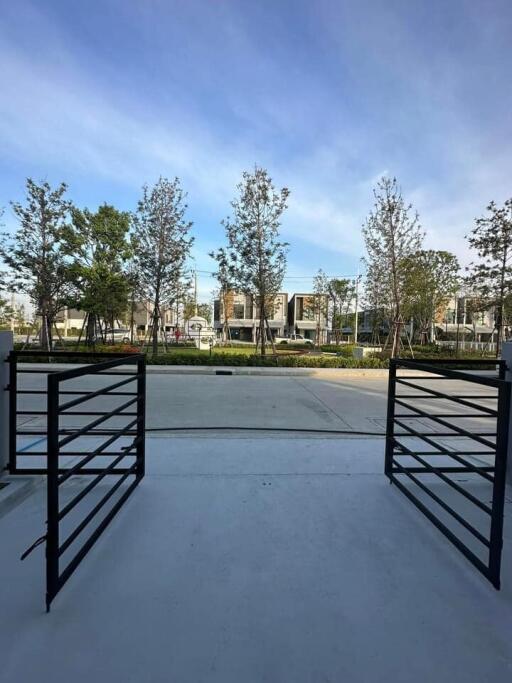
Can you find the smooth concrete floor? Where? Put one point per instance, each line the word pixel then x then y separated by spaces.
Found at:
pixel 256 561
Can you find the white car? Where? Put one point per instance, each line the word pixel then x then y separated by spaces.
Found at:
pixel 293 339
pixel 119 335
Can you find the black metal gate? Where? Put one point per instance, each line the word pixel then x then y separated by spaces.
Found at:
pixel 109 446
pixel 449 454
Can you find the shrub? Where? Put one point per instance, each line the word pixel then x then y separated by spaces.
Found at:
pixel 281 361
pixel 344 350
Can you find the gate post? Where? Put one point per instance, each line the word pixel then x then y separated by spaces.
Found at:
pixel 506 355
pixel 6 346
pixel 390 420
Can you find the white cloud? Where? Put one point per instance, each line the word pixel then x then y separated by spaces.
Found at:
pixel 56 113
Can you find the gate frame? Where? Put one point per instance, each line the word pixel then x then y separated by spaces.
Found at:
pixel 492 569
pixel 57 438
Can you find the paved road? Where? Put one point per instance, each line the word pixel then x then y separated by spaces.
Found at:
pixel 182 401
pixel 250 401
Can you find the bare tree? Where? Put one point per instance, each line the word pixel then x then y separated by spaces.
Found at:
pixel 390 235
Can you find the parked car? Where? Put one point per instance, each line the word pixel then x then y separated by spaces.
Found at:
pixel 293 339
pixel 119 335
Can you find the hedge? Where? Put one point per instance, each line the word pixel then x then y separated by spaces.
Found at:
pixel 295 361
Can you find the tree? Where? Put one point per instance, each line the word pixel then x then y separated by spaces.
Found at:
pixel 431 279
pixel 254 257
pixel 38 255
pixel 492 276
pixel 100 249
pixel 390 235
pixel 162 246
pixel 320 301
pixel 7 312
pixel 341 293
pixel 226 285
pixel 203 310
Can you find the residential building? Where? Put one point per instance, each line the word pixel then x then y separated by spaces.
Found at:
pixel 70 321
pixel 243 313
pixel 307 315
pixel 461 318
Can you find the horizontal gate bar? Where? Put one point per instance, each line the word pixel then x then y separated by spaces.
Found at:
pixel 469 554
pixel 108 470
pixel 88 457
pixel 459 430
pixel 448 397
pixel 95 423
pixel 434 470
pixel 73 564
pixel 468 467
pixel 444 505
pixel 78 529
pixel 98 392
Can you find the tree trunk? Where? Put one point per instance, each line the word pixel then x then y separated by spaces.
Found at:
pixel 262 332
pixel 46 332
pixel 90 337
pixel 155 329
pixel 395 346
pixel 132 321
pixel 271 337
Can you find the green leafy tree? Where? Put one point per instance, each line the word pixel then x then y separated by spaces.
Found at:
pixel 100 248
pixel 256 257
pixel 341 292
pixel 391 235
pixel 224 277
pixel 320 302
pixel 203 310
pixel 38 254
pixel 7 313
pixel 431 279
pixel 491 276
pixel 162 246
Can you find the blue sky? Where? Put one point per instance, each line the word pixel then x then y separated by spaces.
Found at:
pixel 327 95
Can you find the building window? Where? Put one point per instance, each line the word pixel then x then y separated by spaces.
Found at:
pixel 306 308
pixel 238 311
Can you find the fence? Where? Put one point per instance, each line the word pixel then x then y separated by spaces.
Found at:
pixel 489 347
pixel 109 446
pixel 450 454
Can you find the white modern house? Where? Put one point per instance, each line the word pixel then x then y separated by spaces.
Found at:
pixel 307 315
pixel 243 313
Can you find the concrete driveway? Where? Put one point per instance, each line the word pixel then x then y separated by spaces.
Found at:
pixel 256 561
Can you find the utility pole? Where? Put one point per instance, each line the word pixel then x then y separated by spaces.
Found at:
pixel 356 320
pixel 195 291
